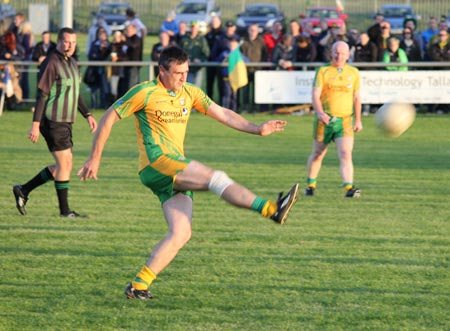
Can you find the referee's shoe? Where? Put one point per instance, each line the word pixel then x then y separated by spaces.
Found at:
pixel 21 199
pixel 285 205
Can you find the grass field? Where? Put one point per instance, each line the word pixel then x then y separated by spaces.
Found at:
pixel 376 263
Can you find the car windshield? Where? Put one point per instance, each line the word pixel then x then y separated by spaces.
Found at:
pixel 396 12
pixel 261 11
pixel 323 13
pixel 191 8
pixel 113 9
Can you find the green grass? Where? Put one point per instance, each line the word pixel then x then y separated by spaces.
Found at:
pixel 376 263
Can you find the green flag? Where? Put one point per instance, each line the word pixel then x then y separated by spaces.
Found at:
pixel 237 70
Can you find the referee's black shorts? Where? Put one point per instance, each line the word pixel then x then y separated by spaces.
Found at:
pixel 58 135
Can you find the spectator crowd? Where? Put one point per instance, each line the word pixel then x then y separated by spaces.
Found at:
pixel 300 43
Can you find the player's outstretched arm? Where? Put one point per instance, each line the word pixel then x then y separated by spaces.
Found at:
pixel 91 166
pixel 237 122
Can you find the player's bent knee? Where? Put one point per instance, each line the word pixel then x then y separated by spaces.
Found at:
pixel 219 182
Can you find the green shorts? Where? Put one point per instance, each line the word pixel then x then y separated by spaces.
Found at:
pixel 338 127
pixel 160 176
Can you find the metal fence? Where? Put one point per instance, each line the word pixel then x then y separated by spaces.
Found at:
pixel 152 12
pixel 147 67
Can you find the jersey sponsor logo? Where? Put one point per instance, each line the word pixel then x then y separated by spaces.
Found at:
pixel 171 116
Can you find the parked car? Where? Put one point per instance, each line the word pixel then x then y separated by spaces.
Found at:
pixel 114 14
pixel 396 15
pixel 262 14
pixel 333 16
pixel 197 10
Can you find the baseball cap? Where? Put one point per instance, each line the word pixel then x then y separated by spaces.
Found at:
pixel 229 24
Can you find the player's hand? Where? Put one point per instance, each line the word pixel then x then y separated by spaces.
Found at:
pixel 324 117
pixel 88 170
pixel 270 127
pixel 92 123
pixel 357 127
pixel 34 133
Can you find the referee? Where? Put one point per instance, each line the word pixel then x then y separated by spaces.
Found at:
pixel 58 98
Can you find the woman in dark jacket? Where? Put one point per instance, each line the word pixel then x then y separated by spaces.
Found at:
pixel 410 46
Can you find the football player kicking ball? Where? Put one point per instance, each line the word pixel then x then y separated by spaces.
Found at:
pixel 161 109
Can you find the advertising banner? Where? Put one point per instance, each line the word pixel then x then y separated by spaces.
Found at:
pixel 295 87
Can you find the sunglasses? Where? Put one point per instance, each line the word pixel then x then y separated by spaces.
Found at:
pixel 442 35
pixel 385 27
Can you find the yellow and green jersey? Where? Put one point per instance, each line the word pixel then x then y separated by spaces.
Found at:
pixel 338 88
pixel 161 117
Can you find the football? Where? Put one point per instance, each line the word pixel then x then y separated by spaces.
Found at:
pixel 395 118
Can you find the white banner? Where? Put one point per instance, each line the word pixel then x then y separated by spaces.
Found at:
pixel 295 87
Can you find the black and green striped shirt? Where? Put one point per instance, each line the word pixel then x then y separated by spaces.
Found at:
pixel 59 90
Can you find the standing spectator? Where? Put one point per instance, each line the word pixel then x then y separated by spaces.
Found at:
pixel 272 38
pixel 134 53
pixel 254 48
pixel 411 23
pixel 197 48
pixel 26 39
pixel 170 26
pixel 221 46
pixel 18 19
pixel 337 103
pixel 394 54
pixel 305 49
pixel 352 38
pixel 365 51
pixel 382 40
pixel 308 31
pixel 56 105
pixel 164 42
pixel 117 54
pixel 436 38
pixel 100 50
pixel 295 29
pixel 97 23
pixel 411 47
pixel 141 29
pixel 334 34
pixel 215 32
pixel 229 97
pixel 440 52
pixel 284 54
pixel 182 32
pixel 43 48
pixel 325 31
pixel 429 33
pixel 374 31
pixel 10 50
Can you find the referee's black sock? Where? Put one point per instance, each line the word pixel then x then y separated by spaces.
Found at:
pixel 41 178
pixel 62 191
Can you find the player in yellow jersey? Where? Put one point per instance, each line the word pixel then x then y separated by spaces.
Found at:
pixel 337 103
pixel 161 109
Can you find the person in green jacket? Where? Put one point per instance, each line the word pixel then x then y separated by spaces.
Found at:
pixel 197 48
pixel 394 54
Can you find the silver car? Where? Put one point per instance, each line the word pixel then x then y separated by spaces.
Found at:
pixel 197 10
